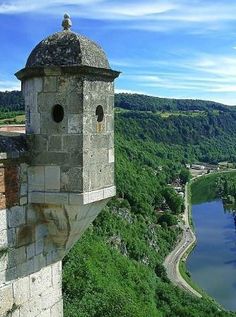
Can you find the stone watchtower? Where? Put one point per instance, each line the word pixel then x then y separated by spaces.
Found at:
pixel 62 169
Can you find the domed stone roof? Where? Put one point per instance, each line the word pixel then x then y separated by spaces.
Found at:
pixel 67 48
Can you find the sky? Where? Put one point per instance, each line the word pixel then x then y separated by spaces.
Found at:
pixel 165 48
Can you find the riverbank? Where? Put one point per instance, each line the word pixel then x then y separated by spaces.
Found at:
pixel 172 261
pixel 175 261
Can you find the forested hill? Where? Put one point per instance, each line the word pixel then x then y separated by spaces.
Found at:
pixel 149 103
pixel 116 267
pixel 13 100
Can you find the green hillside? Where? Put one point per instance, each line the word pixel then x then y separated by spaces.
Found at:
pixel 116 268
pixel 12 100
pixel 149 103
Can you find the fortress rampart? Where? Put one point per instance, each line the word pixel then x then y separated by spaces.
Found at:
pixel 57 177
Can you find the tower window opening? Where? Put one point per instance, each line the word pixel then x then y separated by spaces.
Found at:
pixel 99 113
pixel 57 113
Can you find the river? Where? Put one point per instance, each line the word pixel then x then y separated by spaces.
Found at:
pixel 212 264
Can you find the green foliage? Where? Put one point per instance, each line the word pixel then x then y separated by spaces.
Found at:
pixel 174 201
pixel 116 268
pixel 168 219
pixel 213 186
pixel 184 175
pixel 153 104
pixel 11 101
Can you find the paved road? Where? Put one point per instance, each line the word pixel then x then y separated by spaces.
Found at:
pixel 171 262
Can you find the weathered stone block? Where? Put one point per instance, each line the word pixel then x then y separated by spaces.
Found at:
pixel 3 219
pixel 31 308
pixel 41 231
pixel 109 123
pixel 55 143
pixel 75 123
pixel 30 251
pixel 37 143
pixel 33 124
pixel 46 101
pixel 72 143
pixel 23 201
pixel 25 235
pixel 71 179
pixel 57 274
pixel 38 84
pixel 99 141
pixel 16 257
pixel 32 216
pixel 50 84
pixel 49 297
pixel 11 237
pixel 39 262
pixel 3 239
pixel 16 216
pixel 75 103
pixel 52 178
pixel 36 198
pixel 76 199
pixel 95 156
pixel 6 299
pixel 56 198
pixel 111 156
pixel 50 127
pixel 23 189
pixel 39 245
pixel 45 313
pixel 96 195
pixel 76 158
pixel 40 282
pixel 21 290
pixel 36 177
pixel 53 158
pixel 57 309
pixel 109 192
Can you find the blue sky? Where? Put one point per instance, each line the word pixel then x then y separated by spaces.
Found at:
pixel 167 48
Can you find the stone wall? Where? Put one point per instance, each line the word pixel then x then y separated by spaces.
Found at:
pixel 37 229
pixel 30 274
pixel 38 294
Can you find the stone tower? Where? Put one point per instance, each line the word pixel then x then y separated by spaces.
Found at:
pixel 62 169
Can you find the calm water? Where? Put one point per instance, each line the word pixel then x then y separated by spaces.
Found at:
pixel 212 264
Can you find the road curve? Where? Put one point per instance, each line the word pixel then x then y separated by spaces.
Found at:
pixel 171 262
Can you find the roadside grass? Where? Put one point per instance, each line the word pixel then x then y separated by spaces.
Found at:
pixel 19 119
pixel 187 277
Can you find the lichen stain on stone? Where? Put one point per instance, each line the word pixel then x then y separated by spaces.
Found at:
pixel 26 235
pixel 65 49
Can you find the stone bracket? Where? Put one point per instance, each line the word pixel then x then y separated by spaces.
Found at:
pixel 62 198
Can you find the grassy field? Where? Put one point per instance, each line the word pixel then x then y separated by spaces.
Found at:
pixel 167 114
pixel 16 119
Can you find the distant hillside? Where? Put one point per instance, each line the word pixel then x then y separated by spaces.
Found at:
pixel 13 100
pixel 149 103
pixel 116 267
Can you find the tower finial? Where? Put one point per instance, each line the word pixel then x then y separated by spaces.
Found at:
pixel 66 23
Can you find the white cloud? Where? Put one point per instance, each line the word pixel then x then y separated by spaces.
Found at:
pixel 138 10
pixel 197 16
pixel 6 85
pixel 23 6
pixel 129 91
